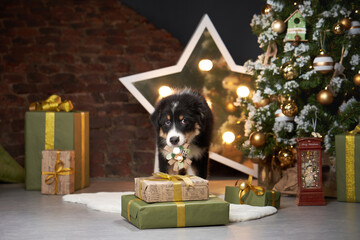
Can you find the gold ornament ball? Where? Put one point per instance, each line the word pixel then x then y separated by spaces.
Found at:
pixel 357 79
pixel 289 71
pixel 285 157
pixel 289 108
pixel 242 186
pixel 262 103
pixel 257 139
pixel 324 97
pixel 266 9
pixel 338 28
pixel 278 26
pixel 346 22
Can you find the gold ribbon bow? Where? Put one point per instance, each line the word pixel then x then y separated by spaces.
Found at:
pixel 175 178
pixel 355 131
pixel 246 186
pixel 53 103
pixel 59 170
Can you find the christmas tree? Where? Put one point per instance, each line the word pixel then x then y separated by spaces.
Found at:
pixel 306 81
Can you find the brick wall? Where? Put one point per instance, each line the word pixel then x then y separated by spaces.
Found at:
pixel 78 49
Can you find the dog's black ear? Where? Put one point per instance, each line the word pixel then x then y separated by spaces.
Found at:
pixel 154 117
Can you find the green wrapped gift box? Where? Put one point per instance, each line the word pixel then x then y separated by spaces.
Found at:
pixel 269 198
pixel 347 147
pixel 59 131
pixel 174 214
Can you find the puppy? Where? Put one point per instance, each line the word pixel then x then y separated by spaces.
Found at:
pixel 184 118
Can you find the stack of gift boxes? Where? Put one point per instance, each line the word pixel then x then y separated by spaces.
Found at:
pixel 56 147
pixel 163 201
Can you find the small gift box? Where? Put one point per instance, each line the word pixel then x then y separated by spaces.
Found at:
pixel 57 172
pixel 48 126
pixel 174 214
pixel 347 147
pixel 246 193
pixel 162 187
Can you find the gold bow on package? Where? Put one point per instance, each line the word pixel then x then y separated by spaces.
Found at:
pixel 53 103
pixel 246 186
pixel 57 175
pixel 244 192
pixel 162 187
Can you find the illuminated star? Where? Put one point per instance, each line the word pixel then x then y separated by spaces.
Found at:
pixel 207 66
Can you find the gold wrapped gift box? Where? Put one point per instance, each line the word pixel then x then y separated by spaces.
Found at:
pixel 166 188
pixel 57 172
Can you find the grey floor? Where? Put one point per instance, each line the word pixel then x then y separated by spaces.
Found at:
pixel 30 215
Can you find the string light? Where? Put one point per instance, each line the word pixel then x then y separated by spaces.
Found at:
pixel 243 91
pixel 205 65
pixel 208 101
pixel 165 91
pixel 228 137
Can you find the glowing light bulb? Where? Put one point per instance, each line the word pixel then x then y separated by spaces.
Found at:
pixel 228 137
pixel 243 91
pixel 165 91
pixel 205 65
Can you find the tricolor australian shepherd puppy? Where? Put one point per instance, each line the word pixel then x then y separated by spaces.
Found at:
pixel 184 118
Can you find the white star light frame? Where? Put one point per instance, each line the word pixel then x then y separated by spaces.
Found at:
pixel 129 83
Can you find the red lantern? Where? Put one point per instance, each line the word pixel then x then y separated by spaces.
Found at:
pixel 309 172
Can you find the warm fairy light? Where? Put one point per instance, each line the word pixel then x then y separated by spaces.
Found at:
pixel 228 137
pixel 205 65
pixel 208 101
pixel 243 91
pixel 165 91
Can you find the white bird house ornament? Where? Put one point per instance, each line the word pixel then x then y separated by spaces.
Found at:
pixel 296 28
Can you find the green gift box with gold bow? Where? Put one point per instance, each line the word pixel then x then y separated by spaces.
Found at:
pixel 174 214
pixel 246 193
pixel 347 147
pixel 59 130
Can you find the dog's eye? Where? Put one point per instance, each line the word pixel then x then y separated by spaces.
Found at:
pixel 167 123
pixel 183 121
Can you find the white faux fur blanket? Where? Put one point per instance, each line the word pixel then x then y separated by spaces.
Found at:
pixel 111 202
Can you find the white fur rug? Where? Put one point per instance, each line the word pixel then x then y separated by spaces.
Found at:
pixel 111 202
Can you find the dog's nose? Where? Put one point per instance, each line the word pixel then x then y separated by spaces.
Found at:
pixel 174 140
